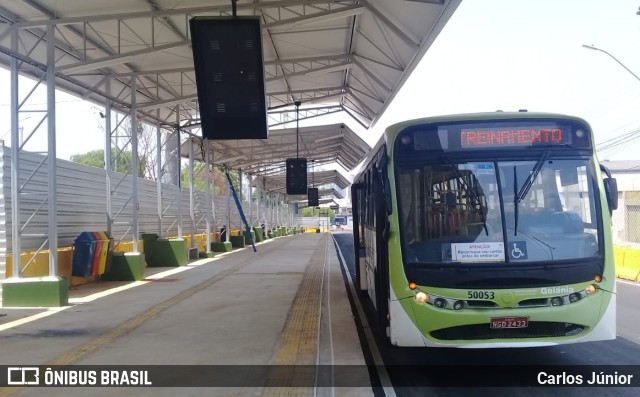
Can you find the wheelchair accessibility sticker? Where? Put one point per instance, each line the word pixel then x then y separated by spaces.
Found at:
pixel 518 250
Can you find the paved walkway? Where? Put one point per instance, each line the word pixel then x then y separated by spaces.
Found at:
pixel 284 305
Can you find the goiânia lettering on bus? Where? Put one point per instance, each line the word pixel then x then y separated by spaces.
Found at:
pixel 556 290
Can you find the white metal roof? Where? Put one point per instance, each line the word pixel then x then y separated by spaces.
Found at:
pixel 350 55
pixel 334 56
pixel 320 145
pixel 277 183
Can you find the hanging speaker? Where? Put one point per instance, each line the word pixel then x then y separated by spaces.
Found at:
pixel 312 197
pixel 296 176
pixel 227 56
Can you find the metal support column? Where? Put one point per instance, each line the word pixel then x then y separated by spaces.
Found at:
pixel 262 198
pixel 271 209
pixel 51 149
pixel 107 153
pixel 258 197
pixel 207 190
pixel 179 170
pixel 30 291
pixel 278 208
pixel 16 248
pixel 159 171
pixel 213 195
pixel 251 200
pixel 192 210
pixel 240 188
pixel 228 209
pixel 134 163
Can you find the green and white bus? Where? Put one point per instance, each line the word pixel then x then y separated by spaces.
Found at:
pixel 487 230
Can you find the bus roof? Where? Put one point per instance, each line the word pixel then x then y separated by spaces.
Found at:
pixel 393 130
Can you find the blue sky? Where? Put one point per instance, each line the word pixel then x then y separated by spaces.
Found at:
pixel 493 54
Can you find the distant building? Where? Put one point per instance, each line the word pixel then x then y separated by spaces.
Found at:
pixel 626 219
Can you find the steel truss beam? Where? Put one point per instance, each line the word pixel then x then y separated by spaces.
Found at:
pixel 191 11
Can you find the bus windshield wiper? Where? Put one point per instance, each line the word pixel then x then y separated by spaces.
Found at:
pixel 524 190
pixel 531 178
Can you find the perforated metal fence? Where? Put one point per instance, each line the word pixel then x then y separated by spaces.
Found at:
pixel 81 205
pixel 631 208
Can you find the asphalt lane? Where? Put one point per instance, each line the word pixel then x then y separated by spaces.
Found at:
pixel 412 381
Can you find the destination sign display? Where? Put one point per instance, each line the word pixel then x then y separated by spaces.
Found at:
pixel 506 137
pixel 499 135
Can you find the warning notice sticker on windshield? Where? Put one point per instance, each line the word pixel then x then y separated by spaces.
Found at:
pixel 477 252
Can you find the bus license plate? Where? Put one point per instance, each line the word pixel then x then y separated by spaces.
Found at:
pixel 509 322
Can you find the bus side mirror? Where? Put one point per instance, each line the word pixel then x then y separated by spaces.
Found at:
pixel 611 190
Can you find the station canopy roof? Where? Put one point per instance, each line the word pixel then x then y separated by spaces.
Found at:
pixel 348 56
pixel 320 145
pixel 277 183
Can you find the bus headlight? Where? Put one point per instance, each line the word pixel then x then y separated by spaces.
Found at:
pixel 574 297
pixel 422 297
pixel 457 305
pixel 590 289
pixel 439 303
pixel 556 301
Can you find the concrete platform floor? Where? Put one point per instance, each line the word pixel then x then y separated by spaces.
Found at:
pixel 284 305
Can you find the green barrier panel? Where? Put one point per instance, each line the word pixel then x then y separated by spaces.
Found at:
pixel 125 267
pixel 237 241
pixel 248 241
pixel 221 246
pixel 164 253
pixel 257 231
pixel 35 292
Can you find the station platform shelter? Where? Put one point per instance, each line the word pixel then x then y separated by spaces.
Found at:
pixel 271 322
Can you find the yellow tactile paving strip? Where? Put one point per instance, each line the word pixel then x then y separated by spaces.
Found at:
pixel 298 347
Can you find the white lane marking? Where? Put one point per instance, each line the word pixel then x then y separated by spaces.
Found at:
pixel 387 387
pixel 628 282
pixel 29 319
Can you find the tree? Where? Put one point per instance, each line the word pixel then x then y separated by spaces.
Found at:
pixel 218 179
pixel 121 159
pixel 121 162
pixel 322 211
pixel 147 149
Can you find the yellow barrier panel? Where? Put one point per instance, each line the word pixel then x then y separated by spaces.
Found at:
pixel 127 246
pixel 314 229
pixel 631 264
pixel 39 267
pixel 618 258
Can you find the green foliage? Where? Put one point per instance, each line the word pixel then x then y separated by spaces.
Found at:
pixel 218 179
pixel 314 211
pixel 121 162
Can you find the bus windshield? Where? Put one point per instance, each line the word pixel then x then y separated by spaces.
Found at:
pixel 463 211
